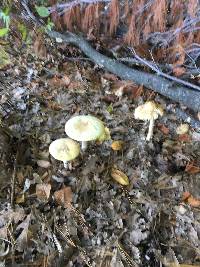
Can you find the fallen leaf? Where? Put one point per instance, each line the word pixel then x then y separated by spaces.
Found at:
pixel 39 47
pixel 65 80
pixel 4 58
pixel 192 201
pixel 134 91
pixel 43 163
pixel 20 177
pixel 109 98
pixel 138 92
pixel 117 145
pixel 64 196
pixel 21 241
pixel 196 136
pixel 4 232
pixel 20 199
pixel 120 87
pixel 7 215
pixel 191 168
pixel 163 129
pixel 43 191
pixel 186 195
pixel 54 106
pixel 178 71
pixel 119 176
pixel 184 138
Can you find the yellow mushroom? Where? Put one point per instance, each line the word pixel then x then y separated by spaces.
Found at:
pixel 85 128
pixel 149 111
pixel 64 149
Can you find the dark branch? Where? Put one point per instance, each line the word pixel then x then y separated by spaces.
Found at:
pixel 181 94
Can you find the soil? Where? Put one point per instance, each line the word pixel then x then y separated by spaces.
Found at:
pixel 81 216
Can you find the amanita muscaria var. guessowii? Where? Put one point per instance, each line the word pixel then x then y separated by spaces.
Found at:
pixel 64 149
pixel 85 128
pixel 149 111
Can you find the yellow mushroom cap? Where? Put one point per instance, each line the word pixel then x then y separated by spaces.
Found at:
pixel 84 128
pixel 64 149
pixel 147 111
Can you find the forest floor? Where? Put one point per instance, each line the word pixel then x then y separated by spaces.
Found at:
pixel 53 216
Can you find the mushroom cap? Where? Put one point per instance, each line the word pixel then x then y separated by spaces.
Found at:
pixel 64 149
pixel 84 128
pixel 147 111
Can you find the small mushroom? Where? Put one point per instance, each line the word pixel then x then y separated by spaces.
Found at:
pixel 64 149
pixel 84 128
pixel 149 111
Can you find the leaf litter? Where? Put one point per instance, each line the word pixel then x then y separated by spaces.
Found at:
pixel 123 202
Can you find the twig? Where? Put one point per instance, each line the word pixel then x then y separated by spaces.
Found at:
pixel 66 236
pixel 61 8
pixel 159 72
pixel 13 183
pixel 126 256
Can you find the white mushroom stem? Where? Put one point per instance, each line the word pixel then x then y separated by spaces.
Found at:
pixel 66 165
pixel 150 131
pixel 84 145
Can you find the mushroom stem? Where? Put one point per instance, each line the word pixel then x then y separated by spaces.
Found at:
pixel 150 131
pixel 66 165
pixel 84 145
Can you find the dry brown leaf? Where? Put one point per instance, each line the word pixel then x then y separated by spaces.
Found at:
pixel 20 177
pixel 54 106
pixel 163 129
pixel 65 81
pixel 178 71
pixel 137 92
pixel 117 145
pixel 109 98
pixel 128 88
pixel 191 168
pixel 119 176
pixel 43 191
pixel 64 196
pixel 39 47
pixel 20 199
pixel 110 77
pixel 184 138
pixel 192 201
pixel 62 81
pixel 186 195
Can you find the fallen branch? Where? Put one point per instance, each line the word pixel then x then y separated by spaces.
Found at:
pixel 181 94
pixel 195 123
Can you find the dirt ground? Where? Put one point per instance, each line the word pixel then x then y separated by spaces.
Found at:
pixel 80 216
